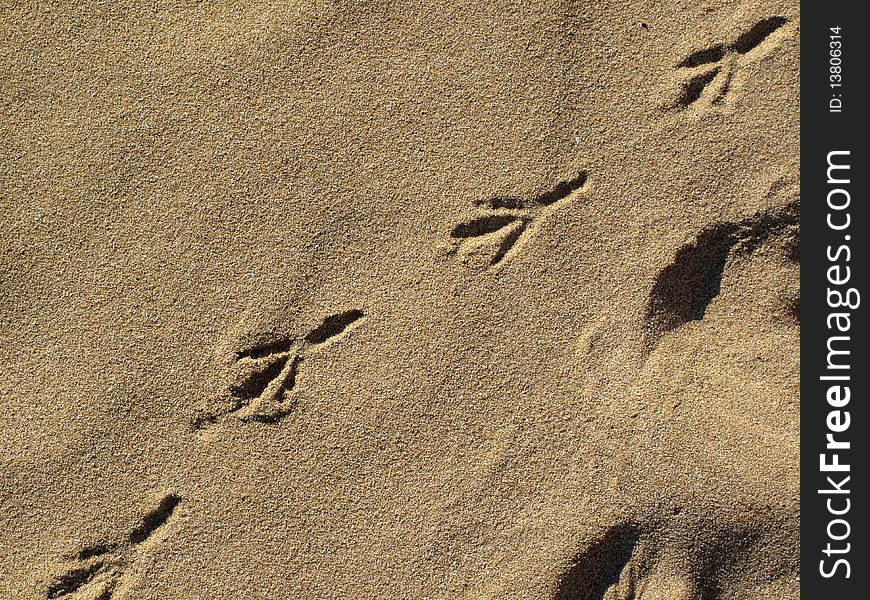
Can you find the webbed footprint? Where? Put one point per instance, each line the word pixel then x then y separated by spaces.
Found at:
pixel 261 380
pixel 502 222
pixel 705 77
pixel 97 572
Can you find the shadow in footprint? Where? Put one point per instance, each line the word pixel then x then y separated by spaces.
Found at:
pixel 750 39
pixel 704 56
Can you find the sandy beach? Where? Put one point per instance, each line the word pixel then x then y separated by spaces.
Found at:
pixel 382 300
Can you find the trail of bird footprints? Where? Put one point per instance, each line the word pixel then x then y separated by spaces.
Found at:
pixel 262 379
pixel 503 221
pixel 98 571
pixel 706 76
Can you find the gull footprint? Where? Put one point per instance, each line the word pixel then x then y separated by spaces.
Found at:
pixel 262 378
pixel 503 220
pixel 99 570
pixel 705 77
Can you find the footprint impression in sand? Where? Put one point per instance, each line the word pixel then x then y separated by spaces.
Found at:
pixel 261 379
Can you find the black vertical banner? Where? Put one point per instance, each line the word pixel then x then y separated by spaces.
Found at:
pixel 835 369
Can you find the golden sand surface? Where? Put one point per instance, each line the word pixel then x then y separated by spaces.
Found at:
pixel 399 300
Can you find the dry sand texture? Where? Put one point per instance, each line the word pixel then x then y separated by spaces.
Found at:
pixel 399 300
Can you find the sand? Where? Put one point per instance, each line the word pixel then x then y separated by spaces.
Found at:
pixel 399 300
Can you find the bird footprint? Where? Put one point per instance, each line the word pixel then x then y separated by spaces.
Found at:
pixel 705 77
pixel 261 379
pixel 99 571
pixel 502 221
